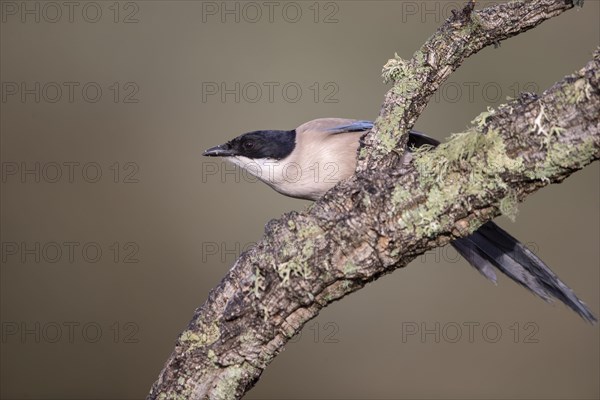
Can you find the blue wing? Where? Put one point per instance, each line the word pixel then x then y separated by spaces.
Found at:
pixel 357 126
pixel 415 139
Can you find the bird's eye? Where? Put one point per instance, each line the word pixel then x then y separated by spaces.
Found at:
pixel 248 145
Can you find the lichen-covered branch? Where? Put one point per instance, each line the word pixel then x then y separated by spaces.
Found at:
pixel 416 80
pixel 381 219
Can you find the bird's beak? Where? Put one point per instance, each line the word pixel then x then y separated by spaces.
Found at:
pixel 222 150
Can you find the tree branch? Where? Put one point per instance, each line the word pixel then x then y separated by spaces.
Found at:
pixel 417 79
pixel 382 218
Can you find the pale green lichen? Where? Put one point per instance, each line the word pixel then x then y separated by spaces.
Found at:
pixel 308 249
pixel 404 75
pixel 409 218
pixel 349 268
pixel 419 58
pixel 363 152
pixel 471 163
pixel 482 156
pixel 258 283
pixel 396 68
pixel 539 127
pixel 227 385
pixel 480 121
pixel 175 396
pixel 291 268
pixel 557 130
pixel 474 224
pixel 577 92
pixel 310 230
pixel 299 266
pixel 433 215
pixel 561 157
pixel 189 336
pixel 509 205
pixel 425 219
pixel 346 285
pixel 212 356
pixel 389 131
pixel 400 195
pixel 206 337
pixel 366 201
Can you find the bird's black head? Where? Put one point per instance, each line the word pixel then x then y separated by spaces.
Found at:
pixel 258 144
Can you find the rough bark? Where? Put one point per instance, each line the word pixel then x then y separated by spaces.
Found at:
pixel 417 79
pixel 394 208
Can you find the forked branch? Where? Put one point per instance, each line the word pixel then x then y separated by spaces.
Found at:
pixel 394 208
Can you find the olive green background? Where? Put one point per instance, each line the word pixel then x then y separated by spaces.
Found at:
pixel 186 216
